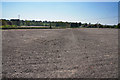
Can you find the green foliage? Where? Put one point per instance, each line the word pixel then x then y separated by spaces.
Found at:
pixel 16 23
pixel 25 28
pixel 8 26
pixel 74 25
pixel 118 26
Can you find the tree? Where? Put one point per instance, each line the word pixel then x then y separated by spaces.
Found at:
pixel 9 23
pixel 118 26
pixel 27 23
pixel 4 22
pixel 15 22
pixel 85 25
pixel 50 26
pixel 74 25
pixel 80 24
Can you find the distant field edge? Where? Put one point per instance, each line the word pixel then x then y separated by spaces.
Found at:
pixel 8 28
pixel 25 28
pixel 59 79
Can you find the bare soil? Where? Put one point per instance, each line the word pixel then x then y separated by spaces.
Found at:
pixel 60 53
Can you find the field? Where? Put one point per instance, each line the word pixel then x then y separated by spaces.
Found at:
pixel 60 53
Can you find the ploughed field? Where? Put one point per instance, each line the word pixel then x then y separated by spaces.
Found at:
pixel 60 53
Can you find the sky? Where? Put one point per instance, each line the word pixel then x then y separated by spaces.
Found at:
pixel 60 0
pixel 85 12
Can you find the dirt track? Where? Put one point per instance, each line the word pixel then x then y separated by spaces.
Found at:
pixel 60 53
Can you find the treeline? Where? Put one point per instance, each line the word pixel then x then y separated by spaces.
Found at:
pixel 18 23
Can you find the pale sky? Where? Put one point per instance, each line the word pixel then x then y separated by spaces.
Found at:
pixel 93 12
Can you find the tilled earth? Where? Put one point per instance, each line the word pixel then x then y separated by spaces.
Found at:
pixel 60 53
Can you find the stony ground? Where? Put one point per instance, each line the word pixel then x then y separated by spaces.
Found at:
pixel 60 53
